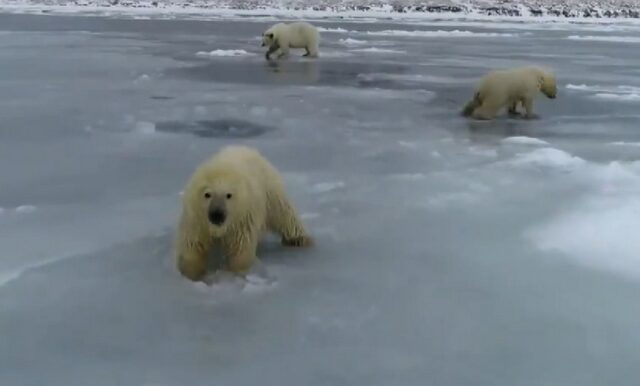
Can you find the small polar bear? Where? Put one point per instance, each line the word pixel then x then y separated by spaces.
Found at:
pixel 229 202
pixel 507 88
pixel 281 37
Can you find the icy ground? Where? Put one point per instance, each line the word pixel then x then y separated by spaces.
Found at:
pixel 448 252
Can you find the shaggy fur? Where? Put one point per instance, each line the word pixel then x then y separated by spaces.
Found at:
pixel 243 187
pixel 281 37
pixel 508 88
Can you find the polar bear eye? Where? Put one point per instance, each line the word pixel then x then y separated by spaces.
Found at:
pixel 207 195
pixel 229 195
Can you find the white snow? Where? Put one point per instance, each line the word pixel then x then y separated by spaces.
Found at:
pixel 440 34
pixel 598 229
pixel 218 52
pixel 520 140
pixel 376 50
pixel 613 39
pixel 352 42
pixel 548 158
pixel 144 127
pixel 325 187
pixel 25 209
pixel 621 143
pixel 621 93
pixel 619 97
pixel 332 30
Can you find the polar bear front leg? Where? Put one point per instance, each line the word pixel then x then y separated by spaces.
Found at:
pixel 242 252
pixel 283 219
pixel 275 47
pixel 513 107
pixel 528 108
pixel 192 260
pixel 284 51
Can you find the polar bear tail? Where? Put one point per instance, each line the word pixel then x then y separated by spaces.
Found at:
pixel 471 105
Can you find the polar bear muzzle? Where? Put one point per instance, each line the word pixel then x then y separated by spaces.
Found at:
pixel 217 213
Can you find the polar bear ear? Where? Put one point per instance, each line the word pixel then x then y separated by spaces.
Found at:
pixel 269 35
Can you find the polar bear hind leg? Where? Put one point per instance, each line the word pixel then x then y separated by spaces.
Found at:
pixel 488 110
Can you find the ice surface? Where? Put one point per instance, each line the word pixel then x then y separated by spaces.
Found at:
pixel 448 252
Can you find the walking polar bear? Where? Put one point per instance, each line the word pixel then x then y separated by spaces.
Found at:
pixel 281 37
pixel 507 88
pixel 230 201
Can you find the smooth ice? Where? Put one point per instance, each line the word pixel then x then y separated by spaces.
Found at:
pixel 448 252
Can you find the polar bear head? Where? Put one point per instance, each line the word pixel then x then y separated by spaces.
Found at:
pixel 270 36
pixel 219 198
pixel 547 83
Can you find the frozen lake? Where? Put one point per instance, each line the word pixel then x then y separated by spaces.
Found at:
pixel 448 252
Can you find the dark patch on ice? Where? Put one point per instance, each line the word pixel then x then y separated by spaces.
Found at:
pixel 220 128
pixel 161 97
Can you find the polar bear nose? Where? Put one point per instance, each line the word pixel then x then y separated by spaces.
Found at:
pixel 217 216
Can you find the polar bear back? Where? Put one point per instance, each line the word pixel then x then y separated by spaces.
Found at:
pixel 297 35
pixel 511 83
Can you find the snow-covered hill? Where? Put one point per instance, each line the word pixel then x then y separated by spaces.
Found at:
pixel 574 9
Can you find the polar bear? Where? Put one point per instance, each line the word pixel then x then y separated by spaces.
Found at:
pixel 229 202
pixel 507 88
pixel 281 37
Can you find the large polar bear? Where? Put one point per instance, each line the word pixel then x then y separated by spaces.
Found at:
pixel 281 37
pixel 230 200
pixel 507 88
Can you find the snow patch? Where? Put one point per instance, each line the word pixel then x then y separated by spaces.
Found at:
pixel 333 30
pixel 325 187
pixel 224 285
pixel 413 78
pixel 376 50
pixel 440 33
pixel 619 97
pixel 25 209
pixel 144 127
pixel 618 39
pixel 634 144
pixel 548 158
pixel 407 144
pixel 599 229
pixel 352 42
pixel 222 53
pixel 309 216
pixel 521 140
pixel 617 93
pixel 142 79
